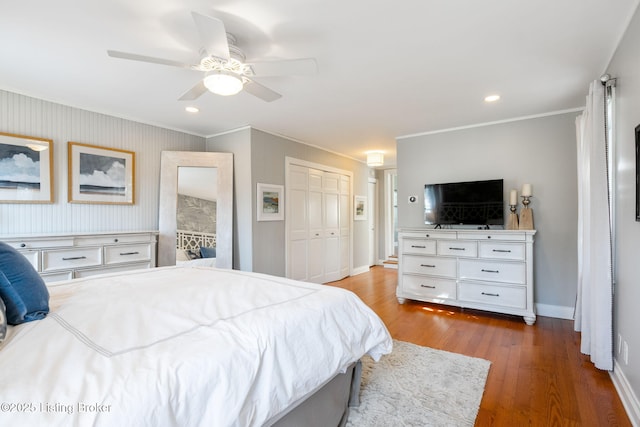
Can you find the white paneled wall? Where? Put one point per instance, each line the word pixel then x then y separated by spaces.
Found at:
pixel 33 117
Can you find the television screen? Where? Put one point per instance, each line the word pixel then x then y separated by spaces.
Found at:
pixel 468 203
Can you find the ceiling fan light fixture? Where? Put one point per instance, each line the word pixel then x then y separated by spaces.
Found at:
pixel 222 83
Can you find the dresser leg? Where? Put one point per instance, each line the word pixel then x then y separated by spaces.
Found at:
pixel 401 300
pixel 530 320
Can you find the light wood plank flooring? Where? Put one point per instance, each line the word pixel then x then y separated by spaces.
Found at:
pixel 538 377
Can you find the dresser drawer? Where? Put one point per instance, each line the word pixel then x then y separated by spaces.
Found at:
pixel 506 296
pixel 33 257
pixel 57 276
pixel 493 271
pixel 108 239
pixel 444 267
pixel 416 246
pixel 63 259
pixel 488 235
pixel 127 253
pixel 429 234
pixel 458 248
pixel 115 269
pixel 500 250
pixel 41 243
pixel 429 287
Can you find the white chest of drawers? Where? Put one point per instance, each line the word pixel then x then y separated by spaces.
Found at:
pixel 482 269
pixel 61 257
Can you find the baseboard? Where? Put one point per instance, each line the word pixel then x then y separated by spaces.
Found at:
pixel 628 397
pixel 360 270
pixel 557 311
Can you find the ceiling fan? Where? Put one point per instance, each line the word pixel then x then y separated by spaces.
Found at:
pixel 226 72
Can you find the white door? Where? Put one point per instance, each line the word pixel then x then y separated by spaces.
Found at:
pixel 331 197
pixel 316 227
pixel 345 224
pixel 298 241
pixel 372 219
pixel 318 224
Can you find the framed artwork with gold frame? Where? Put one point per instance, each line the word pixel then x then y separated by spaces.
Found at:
pixel 101 175
pixel 26 169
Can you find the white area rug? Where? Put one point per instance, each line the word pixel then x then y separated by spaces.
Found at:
pixel 420 386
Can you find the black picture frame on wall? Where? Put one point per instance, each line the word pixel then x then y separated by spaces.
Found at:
pixel 638 173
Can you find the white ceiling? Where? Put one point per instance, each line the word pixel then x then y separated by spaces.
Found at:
pixel 385 69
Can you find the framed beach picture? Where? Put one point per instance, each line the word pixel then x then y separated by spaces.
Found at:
pixel 26 169
pixel 270 202
pixel 360 208
pixel 101 175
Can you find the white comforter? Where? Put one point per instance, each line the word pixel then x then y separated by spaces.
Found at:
pixel 181 347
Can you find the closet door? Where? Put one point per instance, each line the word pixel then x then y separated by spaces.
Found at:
pixel 315 263
pixel 331 213
pixel 297 218
pixel 318 224
pixel 345 224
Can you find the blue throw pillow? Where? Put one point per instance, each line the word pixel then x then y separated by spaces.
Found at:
pixel 207 252
pixel 21 288
pixel 3 321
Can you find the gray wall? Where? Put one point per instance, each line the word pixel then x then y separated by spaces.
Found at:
pixel 625 66
pixel 33 117
pixel 540 151
pixel 239 143
pixel 259 157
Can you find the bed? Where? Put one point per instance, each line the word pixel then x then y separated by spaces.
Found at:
pixel 195 248
pixel 186 346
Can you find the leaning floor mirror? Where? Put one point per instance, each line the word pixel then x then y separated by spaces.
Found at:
pixel 196 209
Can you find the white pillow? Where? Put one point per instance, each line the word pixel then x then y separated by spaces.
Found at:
pixel 181 255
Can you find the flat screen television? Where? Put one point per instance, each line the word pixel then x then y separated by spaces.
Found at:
pixel 464 203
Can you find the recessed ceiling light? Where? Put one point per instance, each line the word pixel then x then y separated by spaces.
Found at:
pixel 492 98
pixel 192 109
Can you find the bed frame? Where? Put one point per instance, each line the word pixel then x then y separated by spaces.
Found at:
pixel 330 405
pixel 194 240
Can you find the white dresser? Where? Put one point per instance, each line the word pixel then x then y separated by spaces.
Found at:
pixel 69 256
pixel 481 269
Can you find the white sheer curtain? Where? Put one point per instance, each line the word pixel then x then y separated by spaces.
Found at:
pixel 594 305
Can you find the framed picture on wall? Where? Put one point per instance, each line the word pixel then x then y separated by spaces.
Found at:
pixel 270 202
pixel 26 169
pixel 101 175
pixel 638 173
pixel 360 208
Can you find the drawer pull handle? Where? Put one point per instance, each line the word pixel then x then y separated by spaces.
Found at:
pixel 457 249
pixel 428 265
pixel 502 250
pixel 427 286
pixel 419 246
pixel 129 253
pixel 490 294
pixel 23 245
pixel 74 258
pixel 489 271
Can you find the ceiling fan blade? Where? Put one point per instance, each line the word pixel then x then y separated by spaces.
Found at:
pixel 143 58
pixel 194 93
pixel 287 67
pixel 212 34
pixel 260 91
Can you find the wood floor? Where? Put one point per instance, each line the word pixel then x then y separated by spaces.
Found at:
pixel 538 377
